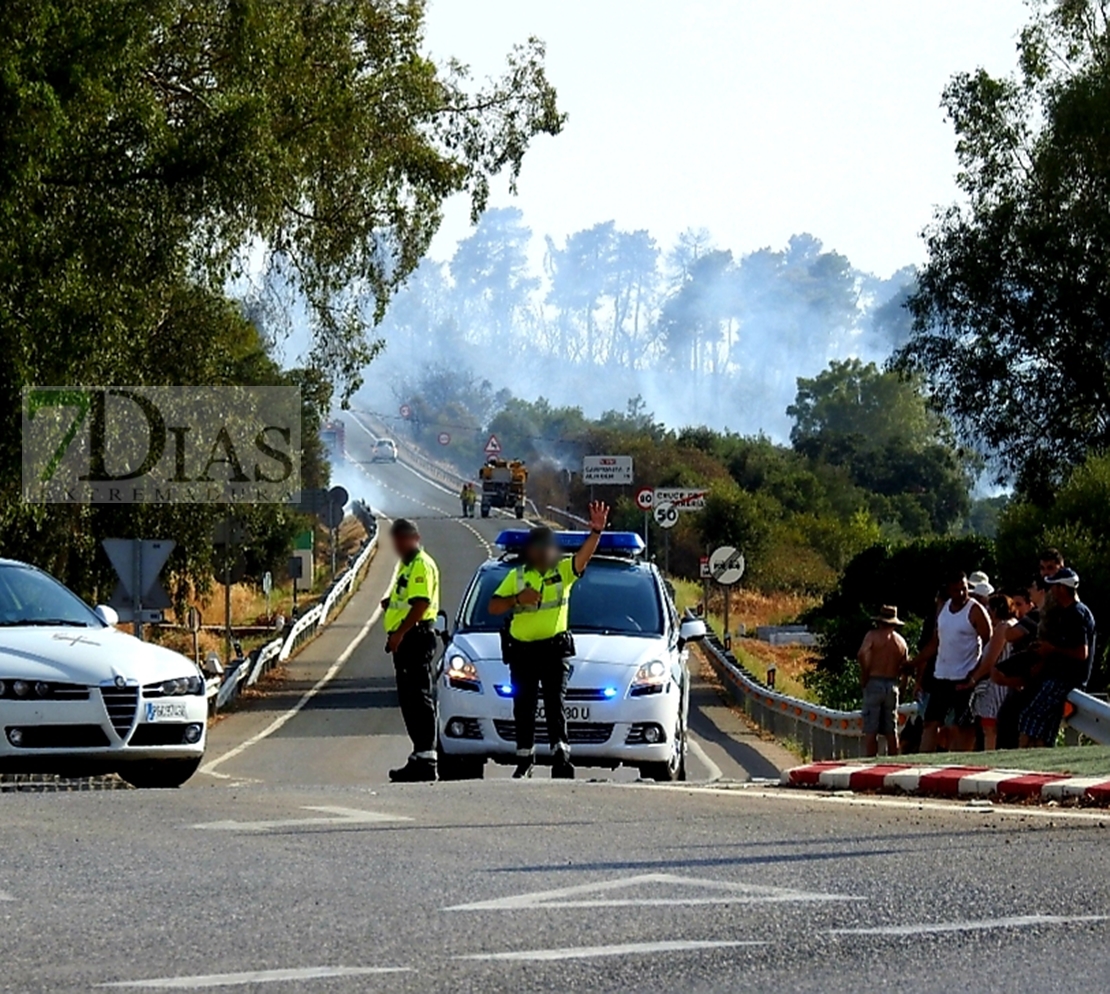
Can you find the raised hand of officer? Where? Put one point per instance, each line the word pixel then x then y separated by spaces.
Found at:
pixel 599 515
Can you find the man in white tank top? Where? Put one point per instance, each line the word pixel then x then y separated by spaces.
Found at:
pixel 962 631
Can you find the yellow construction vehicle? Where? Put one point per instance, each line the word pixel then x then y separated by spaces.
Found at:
pixel 503 482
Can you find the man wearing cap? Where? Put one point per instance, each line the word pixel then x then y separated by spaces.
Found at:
pixel 1066 647
pixel 538 643
pixel 410 614
pixel 883 658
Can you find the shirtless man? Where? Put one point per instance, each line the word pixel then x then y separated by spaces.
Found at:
pixel 883 659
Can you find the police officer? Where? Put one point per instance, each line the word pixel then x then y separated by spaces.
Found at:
pixel 538 642
pixel 410 614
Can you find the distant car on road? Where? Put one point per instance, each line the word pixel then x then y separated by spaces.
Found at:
pixel 385 450
pixel 628 694
pixel 78 697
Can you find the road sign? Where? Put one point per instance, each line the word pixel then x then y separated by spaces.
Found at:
pixel 683 498
pixel 406 411
pixel 193 620
pixel 267 582
pixel 229 532
pixel 332 516
pixel 703 568
pixel 493 446
pixel 666 515
pixel 444 438
pixel 339 495
pixel 645 498
pixel 607 470
pixel 726 565
pixel 138 596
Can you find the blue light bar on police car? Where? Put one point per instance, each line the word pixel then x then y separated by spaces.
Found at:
pixel 613 543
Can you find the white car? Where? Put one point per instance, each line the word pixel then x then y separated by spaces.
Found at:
pixel 628 692
pixel 78 697
pixel 385 450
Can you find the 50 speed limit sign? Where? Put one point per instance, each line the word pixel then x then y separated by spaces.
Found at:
pixel 666 515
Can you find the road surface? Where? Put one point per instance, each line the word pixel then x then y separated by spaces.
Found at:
pixel 291 864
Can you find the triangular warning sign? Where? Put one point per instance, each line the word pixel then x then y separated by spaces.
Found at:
pixel 493 446
pixel 650 889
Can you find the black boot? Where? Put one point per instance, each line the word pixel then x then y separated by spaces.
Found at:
pixel 414 771
pixel 562 768
pixel 524 766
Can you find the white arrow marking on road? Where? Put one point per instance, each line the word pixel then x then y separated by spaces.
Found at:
pixel 255 977
pixel 338 816
pixel 723 892
pixel 985 925
pixel 626 949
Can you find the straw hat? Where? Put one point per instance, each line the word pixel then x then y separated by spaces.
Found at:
pixel 888 615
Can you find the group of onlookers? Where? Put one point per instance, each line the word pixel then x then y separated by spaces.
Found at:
pixel 994 670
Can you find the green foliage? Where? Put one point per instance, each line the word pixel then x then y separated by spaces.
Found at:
pixel 879 428
pixel 149 150
pixel 1010 312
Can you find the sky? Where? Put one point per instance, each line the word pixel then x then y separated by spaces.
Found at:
pixel 756 119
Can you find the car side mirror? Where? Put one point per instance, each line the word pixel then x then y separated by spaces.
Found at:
pixel 443 627
pixel 107 614
pixel 691 630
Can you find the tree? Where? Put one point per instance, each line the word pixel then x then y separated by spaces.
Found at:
pixel 148 151
pixel 1012 310
pixel 879 426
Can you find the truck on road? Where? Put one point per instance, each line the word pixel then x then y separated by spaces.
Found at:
pixel 503 482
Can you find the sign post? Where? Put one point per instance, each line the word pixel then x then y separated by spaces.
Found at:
pixel 645 497
pixel 193 622
pixel 267 586
pixel 726 566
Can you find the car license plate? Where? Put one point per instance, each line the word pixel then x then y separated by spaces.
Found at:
pixel 166 711
pixel 572 712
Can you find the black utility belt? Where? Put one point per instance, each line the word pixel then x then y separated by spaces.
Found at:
pixel 514 648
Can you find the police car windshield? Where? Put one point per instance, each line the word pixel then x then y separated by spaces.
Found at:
pixel 613 597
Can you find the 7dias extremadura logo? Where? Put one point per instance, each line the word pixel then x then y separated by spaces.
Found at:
pixel 162 445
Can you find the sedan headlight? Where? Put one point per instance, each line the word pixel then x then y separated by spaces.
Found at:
pixel 462 674
pixel 181 687
pixel 650 678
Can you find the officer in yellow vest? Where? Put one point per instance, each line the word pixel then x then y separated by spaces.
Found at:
pixel 410 614
pixel 538 643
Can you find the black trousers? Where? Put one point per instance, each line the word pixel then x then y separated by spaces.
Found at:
pixel 540 665
pixel 413 663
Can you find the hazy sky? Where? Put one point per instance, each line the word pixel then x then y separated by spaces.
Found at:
pixel 756 119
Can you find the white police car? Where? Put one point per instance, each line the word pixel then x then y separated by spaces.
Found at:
pixel 79 697
pixel 628 692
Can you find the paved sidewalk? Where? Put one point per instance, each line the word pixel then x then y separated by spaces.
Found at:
pixel 952 781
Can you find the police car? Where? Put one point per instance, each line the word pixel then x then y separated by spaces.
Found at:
pixel 79 697
pixel 628 692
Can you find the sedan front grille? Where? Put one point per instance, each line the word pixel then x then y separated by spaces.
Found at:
pixel 578 732
pixel 121 703
pixel 591 693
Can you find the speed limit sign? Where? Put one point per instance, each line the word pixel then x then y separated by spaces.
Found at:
pixel 645 497
pixel 666 515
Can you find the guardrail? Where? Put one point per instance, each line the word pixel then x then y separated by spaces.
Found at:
pixel 576 519
pixel 825 733
pixel 248 670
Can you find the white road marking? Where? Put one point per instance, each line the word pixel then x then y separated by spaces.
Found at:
pixel 712 768
pixel 625 949
pixel 721 892
pixel 336 816
pixel 282 719
pixel 5 896
pixel 254 977
pixel 985 925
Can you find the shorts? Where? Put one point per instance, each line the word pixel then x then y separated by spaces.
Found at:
pixel 880 706
pixel 1042 715
pixel 987 698
pixel 947 705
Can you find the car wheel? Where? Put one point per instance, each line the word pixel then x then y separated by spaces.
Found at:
pixel 461 767
pixel 163 774
pixel 674 769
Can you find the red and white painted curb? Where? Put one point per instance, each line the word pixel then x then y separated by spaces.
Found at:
pixel 950 781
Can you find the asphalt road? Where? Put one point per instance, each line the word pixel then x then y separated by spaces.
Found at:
pixel 291 865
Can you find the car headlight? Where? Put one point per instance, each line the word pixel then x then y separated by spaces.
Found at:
pixel 650 678
pixel 462 674
pixel 182 686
